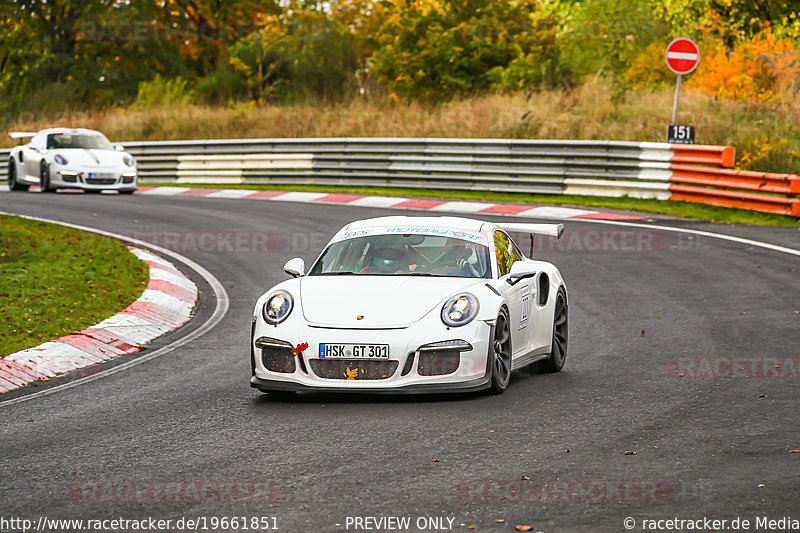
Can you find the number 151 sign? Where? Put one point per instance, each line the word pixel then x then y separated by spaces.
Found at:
pixel 680 134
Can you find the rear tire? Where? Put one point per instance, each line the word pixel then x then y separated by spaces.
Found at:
pixel 501 354
pixel 13 184
pixel 558 351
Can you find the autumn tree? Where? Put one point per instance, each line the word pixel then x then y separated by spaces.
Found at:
pixel 435 49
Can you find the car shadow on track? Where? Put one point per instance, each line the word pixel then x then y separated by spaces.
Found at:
pixel 519 378
pixel 371 398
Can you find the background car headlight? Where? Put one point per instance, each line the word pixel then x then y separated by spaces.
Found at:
pixel 459 310
pixel 128 160
pixel 60 159
pixel 277 307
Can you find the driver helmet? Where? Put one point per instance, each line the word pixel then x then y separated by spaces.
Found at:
pixel 387 259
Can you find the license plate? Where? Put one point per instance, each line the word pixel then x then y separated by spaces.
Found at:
pixel 354 351
pixel 100 175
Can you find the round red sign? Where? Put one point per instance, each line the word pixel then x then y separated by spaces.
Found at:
pixel 682 56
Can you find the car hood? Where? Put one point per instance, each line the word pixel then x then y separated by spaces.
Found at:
pixel 91 158
pixel 382 301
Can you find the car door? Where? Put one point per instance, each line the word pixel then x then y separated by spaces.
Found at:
pixel 518 296
pixel 32 155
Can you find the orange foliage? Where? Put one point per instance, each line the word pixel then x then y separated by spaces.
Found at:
pixel 757 69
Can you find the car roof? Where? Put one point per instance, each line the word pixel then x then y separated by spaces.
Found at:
pixel 462 223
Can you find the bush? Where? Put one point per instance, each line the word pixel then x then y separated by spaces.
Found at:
pixel 608 36
pixel 221 87
pixel 755 69
pixel 648 69
pixel 161 93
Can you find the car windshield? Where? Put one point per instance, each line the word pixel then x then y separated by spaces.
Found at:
pixel 405 255
pixel 68 140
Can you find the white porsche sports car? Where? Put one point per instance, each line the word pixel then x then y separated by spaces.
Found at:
pixel 70 158
pixel 411 305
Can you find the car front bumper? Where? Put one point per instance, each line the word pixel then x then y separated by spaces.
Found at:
pixel 79 178
pixel 472 372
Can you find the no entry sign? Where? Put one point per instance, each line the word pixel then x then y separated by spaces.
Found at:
pixel 682 56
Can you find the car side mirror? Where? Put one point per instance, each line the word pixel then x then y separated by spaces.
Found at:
pixel 295 267
pixel 119 148
pixel 520 270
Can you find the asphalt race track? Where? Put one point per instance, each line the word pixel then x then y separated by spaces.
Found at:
pixel 664 329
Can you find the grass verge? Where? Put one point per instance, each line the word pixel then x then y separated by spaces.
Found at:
pixel 56 280
pixel 709 213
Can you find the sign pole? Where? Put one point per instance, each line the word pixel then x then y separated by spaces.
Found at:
pixel 677 99
pixel 682 57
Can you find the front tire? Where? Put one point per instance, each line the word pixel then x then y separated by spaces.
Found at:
pixel 558 351
pixel 501 354
pixel 44 177
pixel 13 183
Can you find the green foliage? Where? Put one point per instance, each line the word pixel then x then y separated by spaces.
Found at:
pixel 305 49
pixel 162 93
pixel 607 37
pixel 435 49
pixel 258 60
pixel 220 87
pixel 321 54
pixel 727 19
pixel 96 52
pixel 73 54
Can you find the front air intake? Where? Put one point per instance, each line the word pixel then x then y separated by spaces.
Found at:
pixel 438 362
pixel 278 359
pixel 353 368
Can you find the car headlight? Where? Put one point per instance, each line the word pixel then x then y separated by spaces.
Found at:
pixel 459 310
pixel 128 160
pixel 60 159
pixel 277 307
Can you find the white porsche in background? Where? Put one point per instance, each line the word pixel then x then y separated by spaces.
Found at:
pixel 70 158
pixel 411 305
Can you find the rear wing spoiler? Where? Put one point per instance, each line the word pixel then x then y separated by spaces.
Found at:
pixel 550 230
pixel 20 134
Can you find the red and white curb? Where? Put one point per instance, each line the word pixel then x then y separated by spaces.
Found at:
pixel 386 202
pixel 389 202
pixel 165 305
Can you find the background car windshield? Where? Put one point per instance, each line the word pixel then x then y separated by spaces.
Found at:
pixel 66 140
pixel 405 255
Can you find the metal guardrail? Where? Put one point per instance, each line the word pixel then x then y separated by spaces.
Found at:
pixel 518 165
pixel 4 153
pixel 599 168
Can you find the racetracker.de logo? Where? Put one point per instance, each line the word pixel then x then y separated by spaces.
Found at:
pixel 564 491
pixel 219 242
pixel 177 492
pixel 730 367
pixel 609 240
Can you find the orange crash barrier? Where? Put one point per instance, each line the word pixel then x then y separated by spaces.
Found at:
pixel 744 189
pixel 699 154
